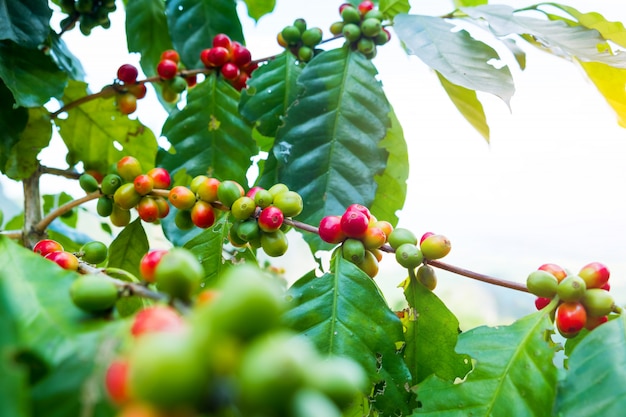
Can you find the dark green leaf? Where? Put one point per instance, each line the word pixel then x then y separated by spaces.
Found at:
pixel 147 32
pixel 25 22
pixel 466 101
pixel 207 247
pixel 259 8
pixel 270 92
pixel 460 58
pixel 344 313
pixel 95 130
pixel 431 336
pixel 30 74
pixel 392 8
pixel 194 23
pixel 208 135
pixel 513 373
pixel 12 122
pixel 593 385
pixel 391 191
pixel 329 147
pixel 555 36
pixel 128 247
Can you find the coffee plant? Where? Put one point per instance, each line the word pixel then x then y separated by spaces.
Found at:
pixel 203 326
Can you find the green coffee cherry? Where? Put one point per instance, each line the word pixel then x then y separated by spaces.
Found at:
pixel 427 277
pixel 399 236
pixel 312 37
pixel 353 250
pixel 93 294
pixel 542 284
pixel 274 244
pixel 371 27
pixel 110 184
pixel 88 183
pixel 300 23
pixel 409 256
pixel 179 274
pixel 598 302
pixel 571 289
pixel 350 15
pixel 351 32
pixel 94 252
pixel 291 35
pixel 104 206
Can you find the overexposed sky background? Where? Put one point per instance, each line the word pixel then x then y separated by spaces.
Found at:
pixel 548 188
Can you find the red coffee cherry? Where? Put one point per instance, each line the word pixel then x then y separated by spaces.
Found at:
pixel 46 246
pixel 570 319
pixel 127 73
pixel 116 381
pixel 148 209
pixel 170 54
pixel 215 57
pixel 595 274
pixel 157 318
pixel 354 223
pixel 330 230
pixel 222 40
pixel 182 197
pixel 144 184
pixel 149 262
pixel 126 103
pixel 270 219
pixel 167 69
pixel 240 54
pixel 202 214
pixel 64 259
pixel 161 177
pixel 230 71
pixel 541 302
pixel 555 270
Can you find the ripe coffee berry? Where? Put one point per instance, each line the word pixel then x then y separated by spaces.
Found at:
pixel 149 262
pixel 594 274
pixel 202 214
pixel 144 184
pixel 127 73
pixel 354 223
pixel 126 103
pixel 555 270
pixel 167 69
pixel 46 246
pixel 157 318
pixel 222 40
pixel 570 318
pixel 148 209
pixel 182 197
pixel 170 54
pixel 330 230
pixel 270 219
pixel 116 381
pixel 230 71
pixel 161 177
pixel 64 259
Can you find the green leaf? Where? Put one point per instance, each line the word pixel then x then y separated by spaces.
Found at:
pixel 593 384
pixel 610 83
pixel 53 201
pixel 30 74
pixel 466 101
pixel 391 190
pixel 146 26
pixel 329 147
pixel 554 36
pixel 513 373
pixel 25 22
pixel 392 8
pixel 128 247
pixel 22 161
pixel 431 336
pixel 612 31
pixel 14 381
pixel 460 58
pixel 270 92
pixel 95 130
pixel 194 23
pixel 344 313
pixel 13 120
pixel 259 8
pixel 469 3
pixel 209 135
pixel 207 247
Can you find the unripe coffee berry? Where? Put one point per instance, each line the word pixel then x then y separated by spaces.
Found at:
pixel 94 252
pixel 571 289
pixel 93 294
pixel 409 255
pixel 435 247
pixel 542 284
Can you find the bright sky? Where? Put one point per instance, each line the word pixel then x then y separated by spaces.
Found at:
pixel 549 187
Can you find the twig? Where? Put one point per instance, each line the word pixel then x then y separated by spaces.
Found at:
pixel 41 226
pixel 480 277
pixel 71 174
pixel 12 234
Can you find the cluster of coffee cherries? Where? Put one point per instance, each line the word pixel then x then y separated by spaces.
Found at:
pixel 172 82
pixel 300 40
pixel 127 188
pixel 584 300
pixel 412 255
pixel 93 252
pixel 361 235
pixel 228 354
pixel 128 89
pixel 88 13
pixel 362 27
pixel 91 293
pixel 259 217
pixel 231 59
